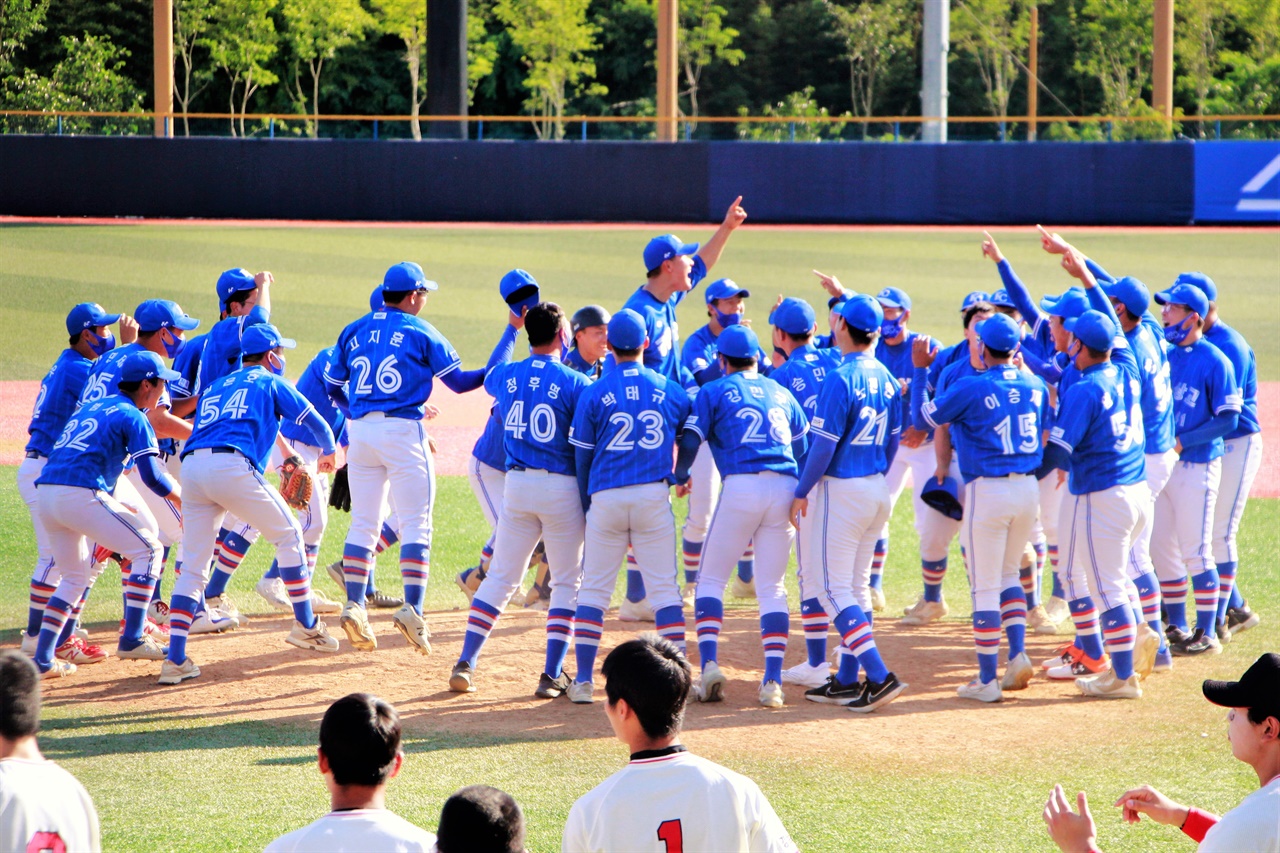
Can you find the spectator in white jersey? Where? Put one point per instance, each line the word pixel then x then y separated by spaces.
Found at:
pixel 42 806
pixel 359 754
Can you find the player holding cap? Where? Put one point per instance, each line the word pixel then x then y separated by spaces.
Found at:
pixel 624 433
pixel 75 502
pixel 535 400
pixel 756 431
pixel 88 328
pixel 1206 407
pixel 855 431
pixel 725 307
pixel 802 374
pixel 223 465
pixel 995 418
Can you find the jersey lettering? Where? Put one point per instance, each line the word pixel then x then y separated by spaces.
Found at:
pixel 650 421
pixel 671 834
pixel 873 430
pixel 80 442
pixel 51 842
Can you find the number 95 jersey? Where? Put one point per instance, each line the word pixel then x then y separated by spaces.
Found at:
pixel 536 400
pixel 390 359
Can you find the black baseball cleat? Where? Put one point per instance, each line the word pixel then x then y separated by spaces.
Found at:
pixel 876 694
pixel 460 679
pixel 1197 644
pixel 1241 619
pixel 1223 632
pixel 835 693
pixel 551 688
pixel 379 601
pixel 1174 634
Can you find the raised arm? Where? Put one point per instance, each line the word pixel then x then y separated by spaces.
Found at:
pixel 1012 284
pixel 733 217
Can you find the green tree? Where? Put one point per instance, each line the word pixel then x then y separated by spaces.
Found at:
pixel 555 41
pixel 18 20
pixel 191 20
pixel 241 41
pixel 1197 41
pixel 996 34
pixel 873 32
pixel 704 38
pixel 407 21
pixel 89 78
pixel 1115 50
pixel 314 31
pixel 799 105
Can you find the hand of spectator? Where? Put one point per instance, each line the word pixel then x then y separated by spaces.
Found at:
pixel 1155 805
pixel 1073 833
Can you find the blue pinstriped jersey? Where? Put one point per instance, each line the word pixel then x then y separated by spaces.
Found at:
pixel 390 359
pixel 59 392
pixel 1204 385
pixel 1157 394
pixel 858 408
pixel 699 353
pixel 101 439
pixel 575 361
pixel 104 376
pixel 897 357
pixel 311 385
pixel 630 418
pixel 242 410
pixel 663 352
pixel 188 365
pixel 750 423
pixel 488 448
pixel 1244 363
pixel 996 418
pixel 802 375
pixel 222 345
pixel 944 359
pixel 535 400
pixel 1100 424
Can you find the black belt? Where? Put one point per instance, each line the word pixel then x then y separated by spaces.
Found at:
pixel 35 454
pixel 223 450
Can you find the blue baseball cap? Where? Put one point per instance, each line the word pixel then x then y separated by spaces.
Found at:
pixel 1200 280
pixel 738 342
pixel 724 288
pixel 973 299
pixel 1072 303
pixel 406 276
pixel 627 330
pixel 262 337
pixel 999 332
pixel 944 497
pixel 144 364
pixel 862 312
pixel 1185 294
pixel 664 248
pixel 793 316
pixel 88 315
pixel 376 302
pixel 156 314
pixel 519 290
pixel 837 300
pixel 233 281
pixel 894 297
pixel 1000 299
pixel 1093 329
pixel 1130 292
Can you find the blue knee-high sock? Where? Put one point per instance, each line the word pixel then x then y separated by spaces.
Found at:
pixel 877 563
pixel 635 585
pixel 297 583
pixel 1226 587
pixel 1237 600
pixel 670 623
pixel 559 630
pixel 933 572
pixel 847 670
pixel 355 571
pixel 855 632
pixel 40 595
pixel 1118 633
pixel 709 619
pixel 1058 591
pixel 386 538
pixel 1149 597
pixel 56 612
pixel 747 565
pixel 588 626
pixel 138 593
pixel 986 639
pixel 181 610
pixel 415 568
pixel 1205 585
pixel 1174 595
pixel 692 555
pixel 774 628
pixel 1085 617
pixel 273 571
pixel 217 583
pixel 816 624
pixel 480 621
pixel 1013 618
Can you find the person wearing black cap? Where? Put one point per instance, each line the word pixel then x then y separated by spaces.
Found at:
pixel 1253 729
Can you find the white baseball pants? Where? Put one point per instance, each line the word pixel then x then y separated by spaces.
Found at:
pixel 999 515
pixel 1184 521
pixel 28 472
pixel 315 517
pixel 704 477
pixel 487 484
pixel 1241 459
pixel 1049 517
pixel 1159 468
pixel 75 517
pixel 168 517
pixel 642 516
pixel 751 506
pixel 1098 530
pixel 916 465
pixel 846 516
pixel 389 457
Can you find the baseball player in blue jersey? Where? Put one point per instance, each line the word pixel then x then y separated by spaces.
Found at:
pixel 725 309
pixel 855 435
pixel 223 464
pixel 756 431
pixel 88 328
pixel 996 417
pixel 590 328
pixel 802 374
pixel 1098 437
pixel 244 299
pixel 535 400
pixel 75 505
pixel 1206 408
pixel 390 359
pixel 624 433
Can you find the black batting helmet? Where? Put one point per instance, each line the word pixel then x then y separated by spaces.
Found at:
pixel 591 315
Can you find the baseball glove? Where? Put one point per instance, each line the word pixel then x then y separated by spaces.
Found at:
pixel 295 483
pixel 340 491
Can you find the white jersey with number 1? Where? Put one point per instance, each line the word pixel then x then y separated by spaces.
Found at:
pixel 43 807
pixel 675 803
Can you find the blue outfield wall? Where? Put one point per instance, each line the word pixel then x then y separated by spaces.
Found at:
pixel 914 183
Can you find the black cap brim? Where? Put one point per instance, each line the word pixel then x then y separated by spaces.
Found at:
pixel 1259 687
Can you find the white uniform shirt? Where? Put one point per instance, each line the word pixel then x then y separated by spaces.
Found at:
pixel 675 802
pixel 1251 827
pixel 41 803
pixel 363 830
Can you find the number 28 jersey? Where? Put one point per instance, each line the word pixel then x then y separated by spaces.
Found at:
pixel 750 422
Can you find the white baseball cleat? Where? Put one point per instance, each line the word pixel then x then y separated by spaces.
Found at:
pixel 878 603
pixel 174 673
pixel 79 631
pixel 742 589
pixel 1057 609
pixel 28 646
pixel 806 675
pixel 1017 673
pixel 1039 622
pixel 79 652
pixel 272 592
pixel 771 695
pixel 711 685
pixel 923 612
pixel 226 605
pixel 1144 651
pixel 989 692
pixel 322 604
pixel 635 611
pixel 59 669
pixel 335 573
pixel 1110 686
pixel 581 692
pixel 212 621
pixel 689 594
pixel 355 622
pixel 148 649
pixel 414 628
pixel 316 639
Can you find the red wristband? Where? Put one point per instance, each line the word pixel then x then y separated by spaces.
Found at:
pixel 1198 823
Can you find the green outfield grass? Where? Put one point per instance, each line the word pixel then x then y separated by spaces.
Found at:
pixel 324 275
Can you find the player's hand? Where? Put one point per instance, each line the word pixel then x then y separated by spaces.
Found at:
pixel 1073 833
pixel 735 215
pixel 128 329
pixel 175 498
pixel 1177 446
pixel 1018 361
pixel 830 283
pixel 1053 243
pixel 1073 263
pixel 1155 805
pixel 941 474
pixel 912 437
pixel 683 490
pixel 799 508
pixel 263 280
pixel 431 443
pixel 327 463
pixel 777 303
pixel 1062 478
pixel 339 457
pixel 429 412
pixel 923 352
pixel 514 321
pixel 990 249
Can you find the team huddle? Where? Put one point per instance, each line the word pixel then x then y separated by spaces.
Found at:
pixel 1079 433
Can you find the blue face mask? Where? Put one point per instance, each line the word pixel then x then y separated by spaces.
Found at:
pixel 176 347
pixel 104 344
pixel 726 320
pixel 1177 333
pixel 276 364
pixel 891 328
